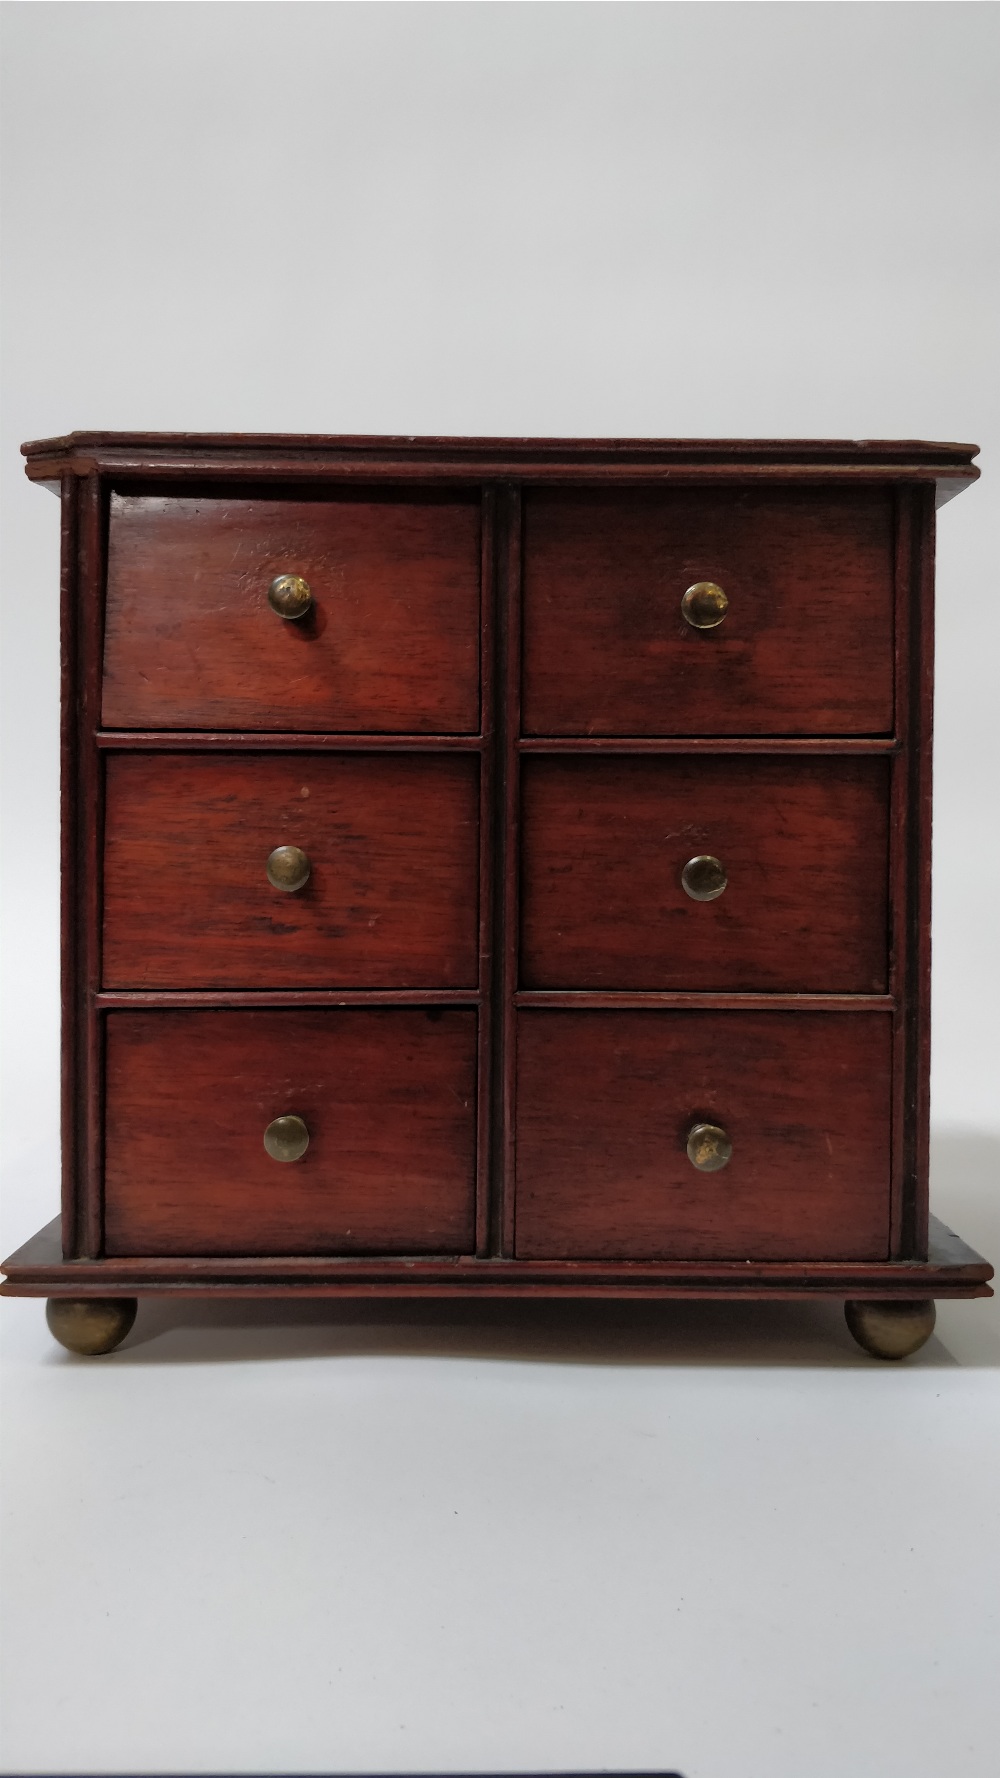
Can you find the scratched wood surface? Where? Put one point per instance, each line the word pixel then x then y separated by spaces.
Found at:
pixel 392 641
pixel 605 1103
pixel 389 1099
pixel 392 899
pixel 804 843
pixel 806 645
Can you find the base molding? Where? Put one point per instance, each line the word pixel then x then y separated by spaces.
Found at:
pixel 951 1269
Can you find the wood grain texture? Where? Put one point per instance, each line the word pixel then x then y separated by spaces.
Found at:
pixel 806 646
pixel 605 1103
pixel 389 1098
pixel 392 641
pixel 392 900
pixel 822 536
pixel 803 842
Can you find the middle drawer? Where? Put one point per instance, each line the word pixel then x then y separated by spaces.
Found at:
pixel 730 873
pixel 195 897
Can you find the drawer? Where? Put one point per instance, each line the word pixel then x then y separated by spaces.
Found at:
pixel 388 1099
pixel 392 845
pixel 607 1102
pixel 805 646
pixel 803 845
pixel 390 642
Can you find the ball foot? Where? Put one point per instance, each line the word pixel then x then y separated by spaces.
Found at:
pixel 90 1325
pixel 891 1329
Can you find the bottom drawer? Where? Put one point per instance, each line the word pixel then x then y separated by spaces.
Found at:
pixel 606 1106
pixel 388 1099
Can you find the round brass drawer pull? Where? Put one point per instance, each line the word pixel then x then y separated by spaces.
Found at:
pixel 708 1147
pixel 704 605
pixel 290 596
pixel 286 1138
pixel 703 878
pixel 288 868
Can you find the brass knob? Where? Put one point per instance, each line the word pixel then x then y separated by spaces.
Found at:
pixel 286 1138
pixel 290 596
pixel 703 878
pixel 288 868
pixel 704 605
pixel 708 1147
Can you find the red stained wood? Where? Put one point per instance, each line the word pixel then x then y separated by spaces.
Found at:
pixel 787 745
pixel 73 1099
pixel 588 668
pixel 88 794
pixel 918 920
pixel 392 900
pixel 391 644
pixel 605 1103
pixel 806 646
pixel 509 826
pixel 389 1098
pixel 803 843
pixel 262 457
pixel 951 1269
pixel 260 741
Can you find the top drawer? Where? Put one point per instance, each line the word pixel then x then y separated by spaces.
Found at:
pixel 805 645
pixel 390 642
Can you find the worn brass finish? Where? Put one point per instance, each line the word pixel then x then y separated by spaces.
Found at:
pixel 704 605
pixel 90 1325
pixel 708 1147
pixel 288 868
pixel 703 878
pixel 286 1138
pixel 290 596
pixel 891 1329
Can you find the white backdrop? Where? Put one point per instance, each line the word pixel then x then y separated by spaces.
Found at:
pixel 318 1541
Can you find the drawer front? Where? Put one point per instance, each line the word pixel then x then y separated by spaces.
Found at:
pixel 387 1098
pixel 607 1103
pixel 389 644
pixel 391 900
pixel 805 646
pixel 803 846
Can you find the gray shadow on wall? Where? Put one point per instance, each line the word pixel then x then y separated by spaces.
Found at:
pixel 794 1334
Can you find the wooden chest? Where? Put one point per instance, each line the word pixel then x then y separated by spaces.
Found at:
pixel 496 866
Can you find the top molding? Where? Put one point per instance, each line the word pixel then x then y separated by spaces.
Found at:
pixel 279 456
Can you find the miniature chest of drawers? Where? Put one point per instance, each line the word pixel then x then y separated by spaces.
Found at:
pixel 499 867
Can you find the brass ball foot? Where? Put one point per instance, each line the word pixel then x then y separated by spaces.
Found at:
pixel 90 1325
pixel 891 1329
